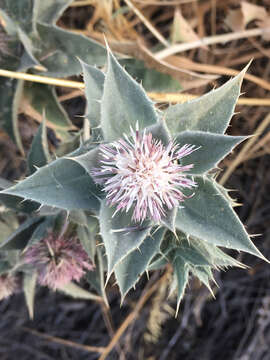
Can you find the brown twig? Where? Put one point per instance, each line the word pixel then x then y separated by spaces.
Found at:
pixel 147 23
pixel 145 296
pixel 60 341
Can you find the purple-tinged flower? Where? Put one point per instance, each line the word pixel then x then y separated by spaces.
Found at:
pixel 141 172
pixel 58 260
pixel 8 285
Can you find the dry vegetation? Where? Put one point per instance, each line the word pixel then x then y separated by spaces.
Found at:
pixel 204 43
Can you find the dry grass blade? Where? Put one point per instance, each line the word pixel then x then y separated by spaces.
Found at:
pixel 159 97
pixel 215 69
pixel 165 3
pixel 242 154
pixel 132 316
pixel 64 342
pixel 147 23
pixel 210 40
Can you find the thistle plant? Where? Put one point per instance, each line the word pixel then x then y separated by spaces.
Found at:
pixel 143 186
pixel 58 260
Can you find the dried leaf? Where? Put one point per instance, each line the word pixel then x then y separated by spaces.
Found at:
pixel 181 30
pixel 238 19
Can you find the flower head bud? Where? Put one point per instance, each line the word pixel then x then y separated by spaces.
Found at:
pixel 142 173
pixel 58 260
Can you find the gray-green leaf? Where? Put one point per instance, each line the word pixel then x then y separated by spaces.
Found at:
pixel 211 112
pixel 119 235
pixel 38 155
pixel 208 216
pixel 124 103
pixel 131 268
pixel 212 148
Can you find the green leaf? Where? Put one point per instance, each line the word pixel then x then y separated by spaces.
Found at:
pixel 77 292
pixel 44 100
pixel 119 234
pixel 212 148
pixel 8 223
pixel 5 266
pixel 215 255
pixel 38 155
pixel 19 238
pixel 208 216
pixel 87 234
pixel 94 82
pixel 151 79
pixel 20 12
pixel 132 267
pixel 50 10
pixel 29 49
pixel 192 254
pixel 160 132
pixel 14 202
pixel 211 112
pixel 204 274
pixel 63 183
pixel 95 277
pixel 124 103
pixel 169 219
pixel 29 285
pixel 10 96
pixel 159 262
pixel 181 272
pixel 42 230
pixel 60 49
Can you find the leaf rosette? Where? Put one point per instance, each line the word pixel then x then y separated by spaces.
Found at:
pixel 148 178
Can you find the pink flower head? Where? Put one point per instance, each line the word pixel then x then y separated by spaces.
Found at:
pixel 8 285
pixel 141 172
pixel 58 260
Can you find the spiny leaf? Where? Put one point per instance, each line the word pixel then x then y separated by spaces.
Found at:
pixel 208 216
pixel 158 263
pixel 50 10
pixel 94 82
pixel 191 254
pixel 29 285
pixel 120 235
pixel 181 272
pixel 204 274
pixel 151 79
pixel 19 238
pixel 124 103
pixel 77 292
pixel 211 112
pixel 43 99
pixel 63 183
pixel 39 152
pixel 87 234
pixel 29 49
pixel 132 267
pixel 60 49
pixel 212 148
pixel 14 202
